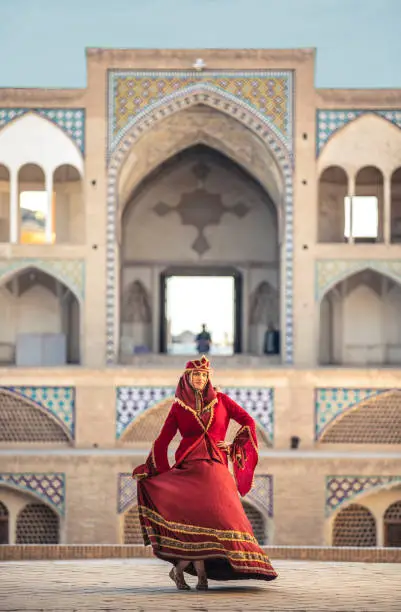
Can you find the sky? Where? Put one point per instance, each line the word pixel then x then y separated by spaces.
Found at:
pixel 187 311
pixel 358 42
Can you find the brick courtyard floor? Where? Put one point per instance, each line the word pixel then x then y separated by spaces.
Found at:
pixel 141 584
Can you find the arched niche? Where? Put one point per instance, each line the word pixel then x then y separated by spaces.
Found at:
pixel 37 523
pixel 40 324
pixel 69 212
pixel 264 315
pixel 376 420
pixel 24 422
pixel 359 324
pixel 354 526
pixel 136 320
pixel 392 525
pixel 4 524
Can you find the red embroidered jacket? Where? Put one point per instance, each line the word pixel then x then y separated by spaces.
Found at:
pixel 182 418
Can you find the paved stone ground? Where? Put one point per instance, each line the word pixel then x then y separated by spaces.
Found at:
pixel 138 585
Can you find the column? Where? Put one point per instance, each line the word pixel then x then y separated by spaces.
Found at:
pixel 245 311
pixel 351 193
pixel 49 216
pixel 155 308
pixel 14 207
pixel 387 209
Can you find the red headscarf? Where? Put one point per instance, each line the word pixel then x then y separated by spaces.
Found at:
pixel 190 397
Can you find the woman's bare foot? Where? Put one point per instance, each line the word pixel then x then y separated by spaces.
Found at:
pixel 202 582
pixel 178 578
pixel 202 576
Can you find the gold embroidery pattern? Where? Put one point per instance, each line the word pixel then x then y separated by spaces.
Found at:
pixel 210 407
pixel 221 534
pixel 251 569
pixel 247 428
pixel 237 555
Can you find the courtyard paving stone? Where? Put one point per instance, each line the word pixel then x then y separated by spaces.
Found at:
pixel 142 584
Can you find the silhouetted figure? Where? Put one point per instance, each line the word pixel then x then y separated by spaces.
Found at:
pixel 203 341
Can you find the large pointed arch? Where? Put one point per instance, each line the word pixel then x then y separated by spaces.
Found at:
pixel 196 95
pixel 234 147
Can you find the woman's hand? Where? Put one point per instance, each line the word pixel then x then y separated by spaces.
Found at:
pixel 224 447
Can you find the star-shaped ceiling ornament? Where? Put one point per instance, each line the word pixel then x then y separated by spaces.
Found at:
pixel 201 209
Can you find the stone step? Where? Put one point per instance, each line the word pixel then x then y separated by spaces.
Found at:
pixel 218 361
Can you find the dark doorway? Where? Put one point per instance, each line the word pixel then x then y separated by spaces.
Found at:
pixel 393 534
pixel 191 297
pixel 3 524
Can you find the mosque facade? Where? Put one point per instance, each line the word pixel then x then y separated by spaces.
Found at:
pixel 200 163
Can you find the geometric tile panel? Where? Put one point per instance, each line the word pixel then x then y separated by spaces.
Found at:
pixel 50 487
pixel 330 121
pixel 70 120
pixel 127 492
pixel 267 94
pixel 329 403
pixel 58 401
pixel 133 401
pixel 262 101
pixel 341 489
pixel 261 493
pixel 258 402
pixel 71 272
pixel 329 272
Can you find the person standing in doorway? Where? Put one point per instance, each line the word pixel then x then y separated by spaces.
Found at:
pixel 203 341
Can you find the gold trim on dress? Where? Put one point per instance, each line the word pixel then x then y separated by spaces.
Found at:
pixel 269 570
pixel 238 554
pixel 195 529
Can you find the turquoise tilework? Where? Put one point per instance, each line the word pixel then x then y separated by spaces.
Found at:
pixel 331 402
pixel 330 121
pixel 341 489
pixel 70 120
pixel 50 487
pixel 58 401
pixel 133 401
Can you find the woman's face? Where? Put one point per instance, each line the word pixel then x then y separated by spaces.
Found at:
pixel 199 379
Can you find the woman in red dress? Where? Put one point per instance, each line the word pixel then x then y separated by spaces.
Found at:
pixel 191 513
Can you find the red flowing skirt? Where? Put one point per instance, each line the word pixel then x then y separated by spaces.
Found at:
pixel 194 512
